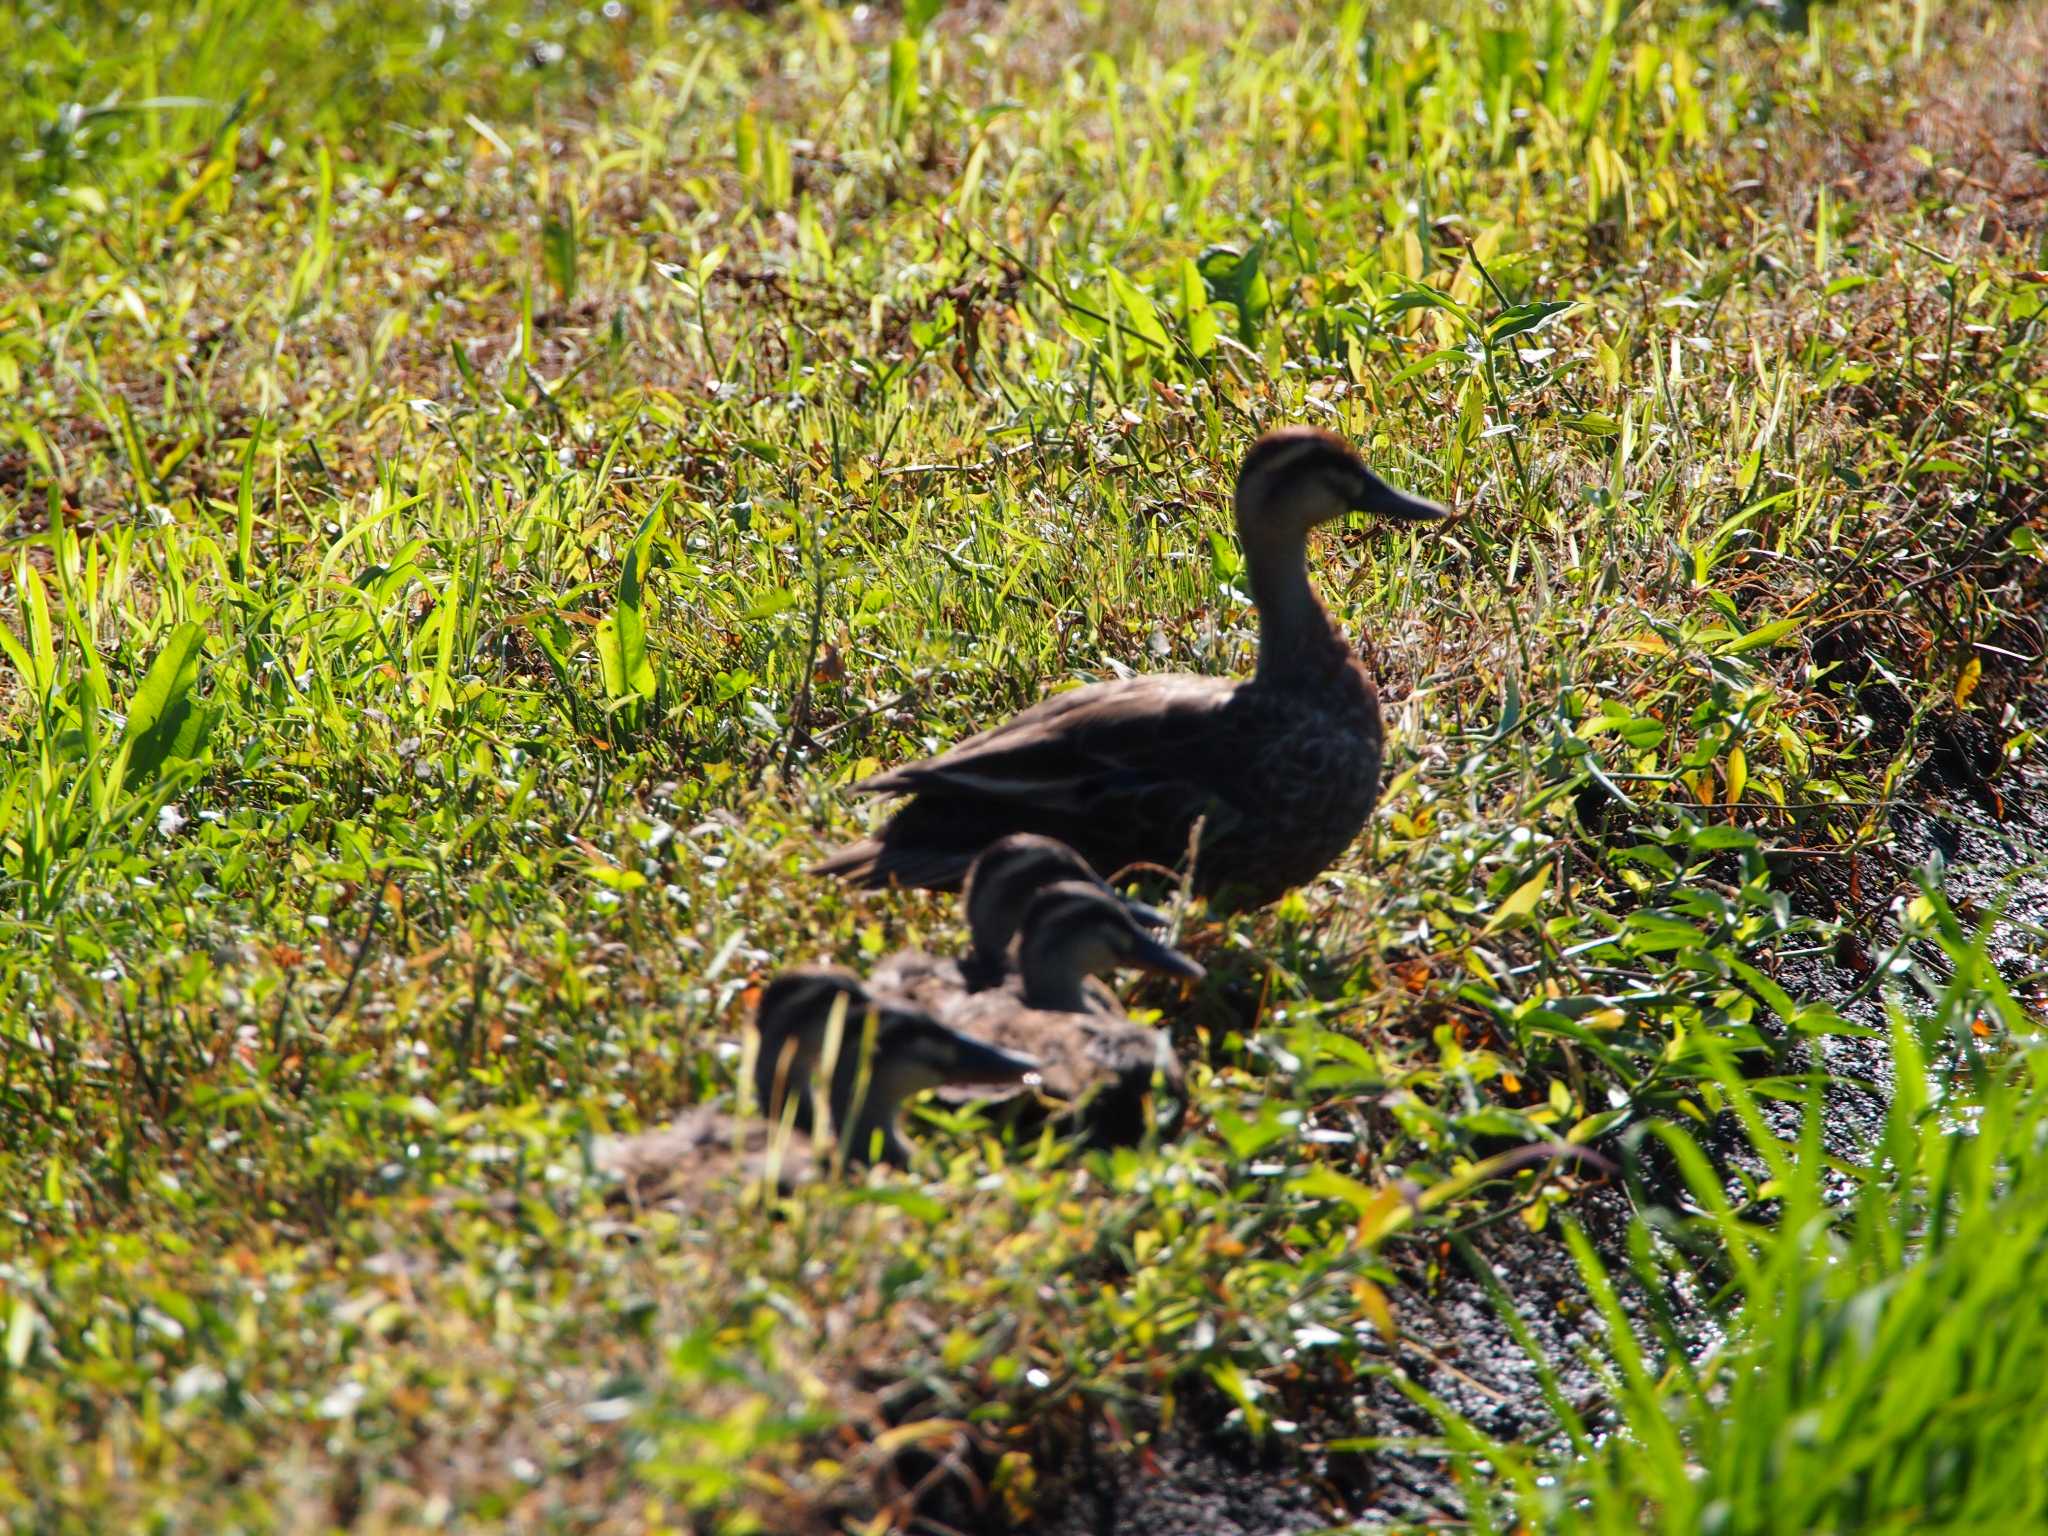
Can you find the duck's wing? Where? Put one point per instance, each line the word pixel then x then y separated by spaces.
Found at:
pixel 1057 753
pixel 1120 770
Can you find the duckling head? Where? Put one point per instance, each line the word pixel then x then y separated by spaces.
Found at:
pixel 1008 874
pixel 877 1054
pixel 1072 931
pixel 1297 477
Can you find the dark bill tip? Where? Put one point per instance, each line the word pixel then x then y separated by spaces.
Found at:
pixel 1146 916
pixel 1151 955
pixel 976 1061
pixel 1381 500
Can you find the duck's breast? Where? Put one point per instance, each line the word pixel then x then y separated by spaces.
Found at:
pixel 1310 779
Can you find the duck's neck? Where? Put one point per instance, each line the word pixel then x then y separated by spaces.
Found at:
pixel 991 938
pixel 1295 632
pixel 1054 984
pixel 855 1121
pixel 982 967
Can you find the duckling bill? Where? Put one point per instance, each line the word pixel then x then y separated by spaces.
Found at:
pixel 1281 769
pixel 878 1053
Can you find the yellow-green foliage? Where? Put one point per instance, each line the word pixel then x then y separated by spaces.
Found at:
pixel 478 479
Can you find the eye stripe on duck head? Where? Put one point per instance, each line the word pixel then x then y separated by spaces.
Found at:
pixel 792 1022
pixel 1072 931
pixel 1291 450
pixel 799 1007
pixel 1300 476
pixel 1002 882
pixel 921 1052
pixel 911 1051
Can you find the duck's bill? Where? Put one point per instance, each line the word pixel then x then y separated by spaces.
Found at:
pixel 1146 916
pixel 1151 955
pixel 976 1061
pixel 1382 500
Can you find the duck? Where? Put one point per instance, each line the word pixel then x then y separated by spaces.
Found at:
pixel 1098 1063
pixel 1000 884
pixel 805 1016
pixel 1270 777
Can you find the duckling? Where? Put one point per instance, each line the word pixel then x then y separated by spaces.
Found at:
pixel 1280 769
pixel 794 1026
pixel 1101 1063
pixel 1000 885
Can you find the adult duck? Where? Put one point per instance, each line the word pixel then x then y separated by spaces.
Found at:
pixel 999 888
pixel 1098 1062
pixel 875 1055
pixel 1280 769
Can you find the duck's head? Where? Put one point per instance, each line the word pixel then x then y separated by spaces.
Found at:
pixel 1297 477
pixel 881 1054
pixel 1074 930
pixel 1009 873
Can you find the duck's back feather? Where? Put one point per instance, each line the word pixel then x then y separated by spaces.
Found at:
pixel 1115 769
pixel 1281 778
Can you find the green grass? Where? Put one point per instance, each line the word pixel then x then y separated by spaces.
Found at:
pixel 1883 1365
pixel 480 480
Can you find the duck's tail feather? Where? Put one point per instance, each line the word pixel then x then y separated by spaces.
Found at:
pixel 876 863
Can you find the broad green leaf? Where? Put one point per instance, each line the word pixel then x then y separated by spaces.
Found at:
pixel 447 622
pixel 1138 309
pixel 1423 364
pixel 1525 318
pixel 1521 901
pixel 165 722
pixel 1775 997
pixel 35 608
pixel 622 655
pixel 17 653
pixel 768 604
pixel 1591 424
pixel 1325 1183
pixel 1722 839
pixel 1241 1390
pixel 1238 279
pixel 903 55
pixel 1758 638
pixel 558 253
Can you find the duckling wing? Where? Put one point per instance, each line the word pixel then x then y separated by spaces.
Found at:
pixel 1098 995
pixel 700 1149
pixel 927 981
pixel 1120 770
pixel 1079 1054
